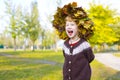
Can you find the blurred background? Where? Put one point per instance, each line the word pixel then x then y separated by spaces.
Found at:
pixel 30 48
pixel 27 24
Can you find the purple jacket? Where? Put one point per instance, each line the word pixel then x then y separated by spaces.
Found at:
pixel 77 58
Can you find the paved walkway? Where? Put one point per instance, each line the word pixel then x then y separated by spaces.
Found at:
pixel 109 60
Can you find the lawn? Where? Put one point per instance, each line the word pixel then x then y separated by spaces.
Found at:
pixel 27 65
pixel 116 54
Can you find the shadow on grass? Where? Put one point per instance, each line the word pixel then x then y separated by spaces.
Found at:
pixel 27 51
pixel 18 68
pixel 114 77
pixel 46 58
pixel 29 69
pixel 32 72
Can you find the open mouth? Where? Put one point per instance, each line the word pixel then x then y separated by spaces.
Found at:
pixel 70 32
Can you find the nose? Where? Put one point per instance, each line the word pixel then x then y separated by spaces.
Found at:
pixel 68 27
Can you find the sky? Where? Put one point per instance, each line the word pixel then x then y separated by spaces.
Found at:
pixel 48 7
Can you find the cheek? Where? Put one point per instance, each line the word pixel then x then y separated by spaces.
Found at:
pixel 75 32
pixel 75 29
pixel 65 29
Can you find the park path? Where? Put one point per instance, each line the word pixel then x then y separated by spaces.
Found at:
pixel 30 60
pixel 109 59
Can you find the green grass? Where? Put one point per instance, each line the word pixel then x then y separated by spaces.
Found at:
pixel 41 55
pixel 117 54
pixel 102 72
pixel 25 65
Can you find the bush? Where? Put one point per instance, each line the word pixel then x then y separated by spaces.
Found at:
pixel 1 46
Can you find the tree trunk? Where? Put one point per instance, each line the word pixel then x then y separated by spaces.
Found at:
pixel 55 47
pixel 24 46
pixel 14 44
pixel 33 47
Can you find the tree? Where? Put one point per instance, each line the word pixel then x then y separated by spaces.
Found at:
pixel 102 17
pixel 29 25
pixel 25 28
pixel 34 24
pixel 14 15
pixel 116 28
pixel 48 39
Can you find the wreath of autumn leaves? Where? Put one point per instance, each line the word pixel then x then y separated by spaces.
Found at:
pixel 85 24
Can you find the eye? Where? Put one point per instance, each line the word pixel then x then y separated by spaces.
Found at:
pixel 67 25
pixel 72 24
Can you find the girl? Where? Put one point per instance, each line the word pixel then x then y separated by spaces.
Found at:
pixel 76 50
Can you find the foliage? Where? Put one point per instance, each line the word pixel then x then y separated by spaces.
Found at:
pixel 84 23
pixel 6 40
pixel 117 54
pixel 102 17
pixel 14 14
pixel 2 38
pixel 34 23
pixel 48 39
pixel 23 24
pixel 116 28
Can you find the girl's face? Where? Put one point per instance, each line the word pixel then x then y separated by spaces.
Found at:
pixel 71 29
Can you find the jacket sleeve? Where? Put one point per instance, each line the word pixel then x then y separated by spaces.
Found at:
pixel 89 54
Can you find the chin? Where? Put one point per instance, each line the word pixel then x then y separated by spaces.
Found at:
pixel 71 36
